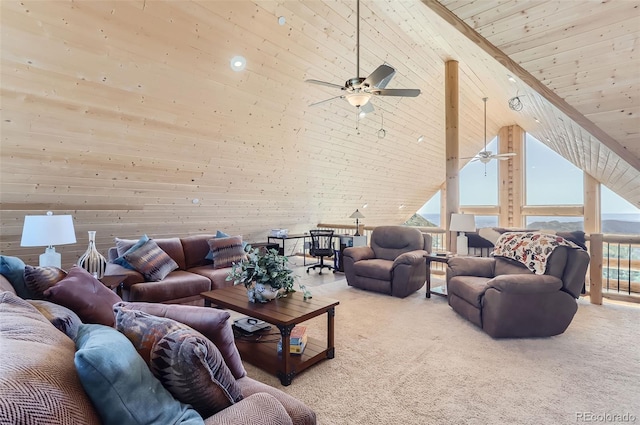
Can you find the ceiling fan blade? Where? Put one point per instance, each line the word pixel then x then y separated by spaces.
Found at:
pixel 505 154
pixel 367 108
pixel 396 92
pixel 382 75
pixel 326 100
pixel 324 83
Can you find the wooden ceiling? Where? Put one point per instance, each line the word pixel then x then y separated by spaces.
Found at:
pixel 123 113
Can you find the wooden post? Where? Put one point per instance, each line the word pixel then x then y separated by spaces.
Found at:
pixel 510 176
pixel 595 268
pixel 451 147
pixel 592 223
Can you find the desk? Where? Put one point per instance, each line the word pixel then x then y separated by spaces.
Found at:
pixel 284 239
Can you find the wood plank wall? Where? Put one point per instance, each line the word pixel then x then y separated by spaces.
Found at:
pixel 123 113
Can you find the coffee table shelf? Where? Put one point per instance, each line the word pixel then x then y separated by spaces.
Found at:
pixel 284 313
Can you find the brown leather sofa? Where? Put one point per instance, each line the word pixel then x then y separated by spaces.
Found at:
pixel 506 299
pixel 394 263
pixel 195 274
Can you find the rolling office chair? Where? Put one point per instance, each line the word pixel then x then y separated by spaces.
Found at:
pixel 321 246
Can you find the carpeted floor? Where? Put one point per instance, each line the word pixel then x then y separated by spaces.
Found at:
pixel 415 361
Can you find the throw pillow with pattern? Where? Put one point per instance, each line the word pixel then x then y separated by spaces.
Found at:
pixel 227 251
pixel 142 329
pixel 124 246
pixel 192 368
pixel 39 279
pixel 151 261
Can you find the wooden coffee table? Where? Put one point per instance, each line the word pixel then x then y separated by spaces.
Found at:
pixel 284 313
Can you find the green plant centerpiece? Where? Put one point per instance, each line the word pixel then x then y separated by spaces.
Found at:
pixel 265 274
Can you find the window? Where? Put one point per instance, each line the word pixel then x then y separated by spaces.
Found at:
pixel 431 209
pixel 543 170
pixel 479 182
pixel 618 215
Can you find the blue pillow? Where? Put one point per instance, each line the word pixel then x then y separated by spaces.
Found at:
pixel 121 261
pixel 13 269
pixel 220 234
pixel 120 384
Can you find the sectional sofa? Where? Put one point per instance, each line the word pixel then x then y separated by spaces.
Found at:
pixel 195 273
pixel 57 369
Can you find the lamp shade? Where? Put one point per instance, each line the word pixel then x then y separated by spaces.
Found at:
pixel 462 223
pixel 47 230
pixel 356 214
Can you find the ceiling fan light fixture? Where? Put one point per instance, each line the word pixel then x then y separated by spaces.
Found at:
pixel 358 99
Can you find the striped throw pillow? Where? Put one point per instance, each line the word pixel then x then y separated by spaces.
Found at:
pixel 151 261
pixel 39 279
pixel 227 251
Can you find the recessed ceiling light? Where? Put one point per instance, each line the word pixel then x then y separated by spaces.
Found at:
pixel 401 206
pixel 282 20
pixel 420 139
pixel 536 120
pixel 238 63
pixel 510 78
pixel 365 205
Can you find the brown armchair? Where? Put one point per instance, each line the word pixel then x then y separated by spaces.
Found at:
pixel 506 299
pixel 394 263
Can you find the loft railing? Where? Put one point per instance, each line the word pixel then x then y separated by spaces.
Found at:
pixel 614 269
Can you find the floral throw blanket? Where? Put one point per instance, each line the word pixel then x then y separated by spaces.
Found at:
pixel 530 248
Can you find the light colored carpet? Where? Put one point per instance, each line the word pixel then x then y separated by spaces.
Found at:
pixel 415 361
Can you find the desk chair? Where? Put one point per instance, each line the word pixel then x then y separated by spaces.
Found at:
pixel 321 246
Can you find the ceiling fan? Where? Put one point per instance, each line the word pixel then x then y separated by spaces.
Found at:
pixel 358 91
pixel 485 156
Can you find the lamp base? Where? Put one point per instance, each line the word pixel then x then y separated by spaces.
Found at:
pixel 462 244
pixel 50 258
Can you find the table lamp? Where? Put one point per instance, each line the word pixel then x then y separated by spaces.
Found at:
pixel 357 215
pixel 462 223
pixel 48 230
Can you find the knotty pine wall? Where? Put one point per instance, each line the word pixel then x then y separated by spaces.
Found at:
pixel 122 113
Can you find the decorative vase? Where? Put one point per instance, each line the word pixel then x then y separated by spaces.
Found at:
pixel 92 261
pixel 259 292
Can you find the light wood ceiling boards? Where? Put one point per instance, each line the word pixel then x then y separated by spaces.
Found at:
pixel 581 57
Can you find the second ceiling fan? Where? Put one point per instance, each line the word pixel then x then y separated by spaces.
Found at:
pixel 485 156
pixel 358 90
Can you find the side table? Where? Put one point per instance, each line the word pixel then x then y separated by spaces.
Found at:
pixel 438 290
pixel 114 281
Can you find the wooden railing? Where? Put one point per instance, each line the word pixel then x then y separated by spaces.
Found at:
pixel 614 271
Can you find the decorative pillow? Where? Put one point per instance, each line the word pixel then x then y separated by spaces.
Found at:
pixel 38 381
pixel 13 269
pixel 119 383
pixel 213 323
pixel 193 370
pixel 85 295
pixel 151 261
pixel 121 261
pixel 227 251
pixel 142 329
pixel 39 279
pixel 65 320
pixel 220 234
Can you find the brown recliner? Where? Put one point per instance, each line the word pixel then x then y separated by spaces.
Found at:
pixel 394 263
pixel 507 300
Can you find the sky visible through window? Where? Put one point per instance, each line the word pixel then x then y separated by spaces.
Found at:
pixel 544 170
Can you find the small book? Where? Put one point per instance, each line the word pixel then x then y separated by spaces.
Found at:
pixel 293 349
pixel 298 335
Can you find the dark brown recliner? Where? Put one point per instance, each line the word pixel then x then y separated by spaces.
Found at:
pixel 394 263
pixel 507 300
